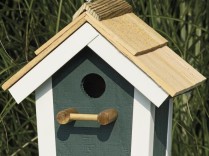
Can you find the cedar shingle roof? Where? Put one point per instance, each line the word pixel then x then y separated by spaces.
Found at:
pixel 133 38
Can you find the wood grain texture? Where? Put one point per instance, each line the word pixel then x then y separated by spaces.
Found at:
pixel 134 34
pixel 140 44
pixel 105 9
pixel 138 40
pixel 107 116
pixel 84 117
pixel 46 49
pixel 180 76
pixel 80 11
pixel 74 25
pixel 169 70
pixel 64 116
pixel 71 114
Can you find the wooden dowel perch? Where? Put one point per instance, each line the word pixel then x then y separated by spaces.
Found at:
pixel 105 117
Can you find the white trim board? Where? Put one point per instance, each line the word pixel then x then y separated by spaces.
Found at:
pixel 54 61
pixel 69 48
pixel 142 126
pixel 128 70
pixel 45 119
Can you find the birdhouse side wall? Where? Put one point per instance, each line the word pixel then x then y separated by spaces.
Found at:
pixel 163 128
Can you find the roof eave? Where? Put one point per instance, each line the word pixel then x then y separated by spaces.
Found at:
pixel 46 49
pixel 55 41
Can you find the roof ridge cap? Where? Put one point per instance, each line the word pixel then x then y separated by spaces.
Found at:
pixel 104 9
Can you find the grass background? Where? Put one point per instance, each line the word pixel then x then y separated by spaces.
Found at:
pixel 26 24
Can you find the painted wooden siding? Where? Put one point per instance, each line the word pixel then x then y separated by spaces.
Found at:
pixel 89 138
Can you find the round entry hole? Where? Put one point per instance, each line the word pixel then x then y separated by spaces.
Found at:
pixel 93 85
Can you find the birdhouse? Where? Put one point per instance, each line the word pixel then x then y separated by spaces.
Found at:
pixel 104 85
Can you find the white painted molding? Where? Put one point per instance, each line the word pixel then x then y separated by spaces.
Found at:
pixel 128 70
pixel 169 130
pixel 142 126
pixel 69 48
pixel 54 61
pixel 45 119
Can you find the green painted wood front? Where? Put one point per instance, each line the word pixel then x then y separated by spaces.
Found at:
pixel 87 137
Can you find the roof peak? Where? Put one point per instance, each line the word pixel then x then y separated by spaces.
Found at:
pixel 104 9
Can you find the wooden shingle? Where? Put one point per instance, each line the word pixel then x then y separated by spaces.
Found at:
pixel 142 45
pixel 105 9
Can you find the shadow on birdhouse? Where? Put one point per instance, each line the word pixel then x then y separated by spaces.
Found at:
pixel 102 132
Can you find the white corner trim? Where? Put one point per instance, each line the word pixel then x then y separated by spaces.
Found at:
pixel 142 126
pixel 169 130
pixel 128 70
pixel 54 61
pixel 45 119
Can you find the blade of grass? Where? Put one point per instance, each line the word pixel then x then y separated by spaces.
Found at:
pixel 58 16
pixel 25 145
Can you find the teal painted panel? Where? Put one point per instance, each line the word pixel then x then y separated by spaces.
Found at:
pixel 161 127
pixel 87 137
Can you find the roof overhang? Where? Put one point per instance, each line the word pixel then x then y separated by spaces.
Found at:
pixel 144 48
pixel 86 35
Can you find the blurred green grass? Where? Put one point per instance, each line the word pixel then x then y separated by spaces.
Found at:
pixel 26 24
